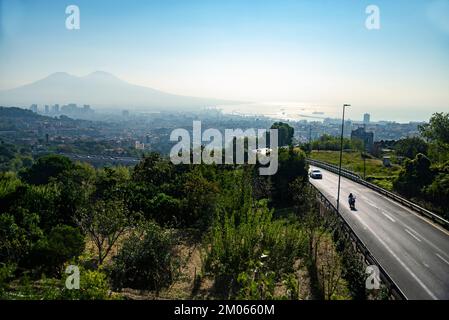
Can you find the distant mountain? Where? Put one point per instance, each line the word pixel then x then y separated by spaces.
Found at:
pixel 99 89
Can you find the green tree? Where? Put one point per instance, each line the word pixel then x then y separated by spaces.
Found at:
pixel 285 133
pixel 292 165
pixel 165 209
pixel 414 176
pixel 19 231
pixel 331 143
pixel 153 170
pixel 437 129
pixel 47 167
pixel 437 133
pixel 239 239
pixel 199 200
pixel 112 183
pixel 75 187
pixel 104 222
pixel 410 147
pixel 62 244
pixel 147 259
pixel 438 192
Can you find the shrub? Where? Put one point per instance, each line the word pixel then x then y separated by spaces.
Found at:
pixel 146 260
pixel 415 175
pixel 256 283
pixel 6 274
pixel 62 244
pixel 19 231
pixel 231 246
pixel 45 168
pixel 93 286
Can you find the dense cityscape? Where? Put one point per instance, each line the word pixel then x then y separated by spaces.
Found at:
pixel 121 137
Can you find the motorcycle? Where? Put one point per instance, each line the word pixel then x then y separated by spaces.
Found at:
pixel 351 201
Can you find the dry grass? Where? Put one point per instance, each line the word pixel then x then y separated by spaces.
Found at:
pixel 191 282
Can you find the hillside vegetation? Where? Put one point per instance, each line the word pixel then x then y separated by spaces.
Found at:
pixel 160 230
pixel 376 172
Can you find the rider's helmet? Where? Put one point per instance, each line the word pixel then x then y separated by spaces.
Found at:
pixel 351 196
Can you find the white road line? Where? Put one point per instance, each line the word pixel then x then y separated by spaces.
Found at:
pixel 425 240
pixel 447 262
pixel 371 203
pixel 436 226
pixel 414 231
pixel 410 233
pixel 398 259
pixel 388 216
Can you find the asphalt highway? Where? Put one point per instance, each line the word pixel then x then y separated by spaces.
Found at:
pixel 411 249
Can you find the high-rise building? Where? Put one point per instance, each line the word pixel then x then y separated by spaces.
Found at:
pixel 366 118
pixel 47 109
pixel 55 108
pixel 33 108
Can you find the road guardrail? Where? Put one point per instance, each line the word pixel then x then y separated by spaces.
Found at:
pixel 357 178
pixel 370 260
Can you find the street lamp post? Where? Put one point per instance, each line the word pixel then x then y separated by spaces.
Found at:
pixel 341 155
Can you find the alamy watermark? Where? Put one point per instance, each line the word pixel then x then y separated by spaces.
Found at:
pixel 190 150
pixel 373 280
pixel 372 22
pixel 72 21
pixel 73 279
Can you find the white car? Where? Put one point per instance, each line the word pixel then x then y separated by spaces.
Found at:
pixel 316 174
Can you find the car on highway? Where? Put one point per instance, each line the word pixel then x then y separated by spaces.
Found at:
pixel 316 174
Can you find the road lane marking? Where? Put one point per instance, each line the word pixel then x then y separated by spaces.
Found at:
pixel 388 216
pixel 447 262
pixel 366 189
pixel 398 259
pixel 371 203
pixel 414 231
pixel 425 239
pixel 411 233
pixel 416 214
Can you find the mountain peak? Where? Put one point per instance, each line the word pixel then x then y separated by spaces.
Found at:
pixel 100 74
pixel 60 75
pixel 99 89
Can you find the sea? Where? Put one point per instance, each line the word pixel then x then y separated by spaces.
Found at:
pixel 297 111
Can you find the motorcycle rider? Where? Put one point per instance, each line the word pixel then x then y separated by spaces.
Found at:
pixel 351 200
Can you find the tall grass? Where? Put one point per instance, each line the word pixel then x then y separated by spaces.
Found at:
pixel 235 242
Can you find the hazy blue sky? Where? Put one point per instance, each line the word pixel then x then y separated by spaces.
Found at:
pixel 316 51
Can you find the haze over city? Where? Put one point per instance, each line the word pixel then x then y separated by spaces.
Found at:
pixel 227 157
pixel 316 52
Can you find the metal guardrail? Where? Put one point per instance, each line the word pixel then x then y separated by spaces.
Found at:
pixel 356 178
pixel 370 260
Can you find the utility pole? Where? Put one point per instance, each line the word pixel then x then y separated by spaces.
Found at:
pixel 341 155
pixel 364 155
pixel 310 138
pixel 364 165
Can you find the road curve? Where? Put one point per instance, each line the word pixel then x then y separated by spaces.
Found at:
pixel 411 249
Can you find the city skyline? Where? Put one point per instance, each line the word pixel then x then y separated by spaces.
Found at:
pixel 311 52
